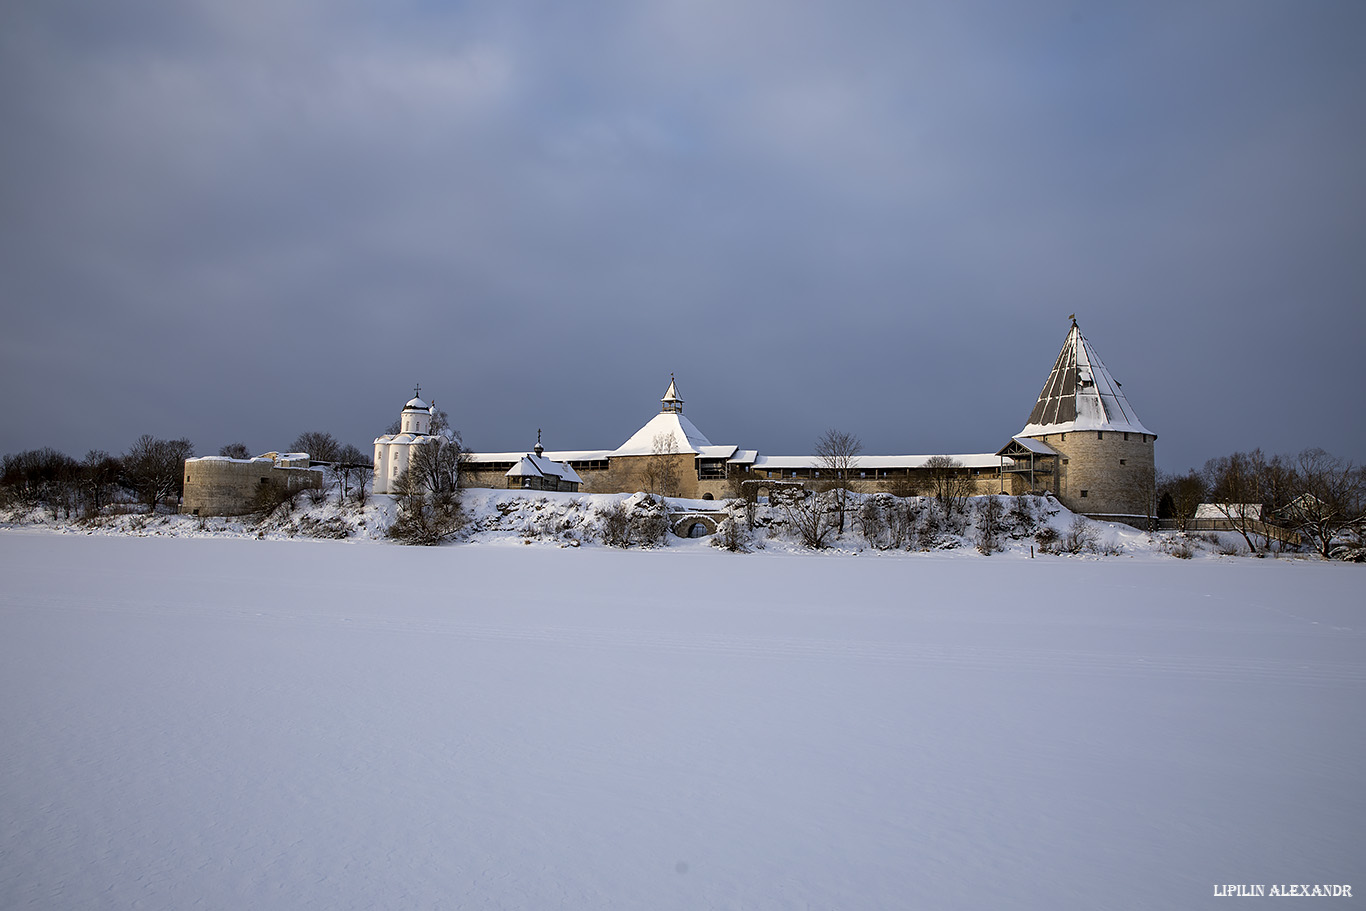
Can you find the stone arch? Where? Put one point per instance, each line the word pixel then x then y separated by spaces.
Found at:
pixel 687 526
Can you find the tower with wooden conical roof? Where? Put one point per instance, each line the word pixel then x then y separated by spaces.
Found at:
pixel 1105 454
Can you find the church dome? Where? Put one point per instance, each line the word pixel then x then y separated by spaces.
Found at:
pixel 416 404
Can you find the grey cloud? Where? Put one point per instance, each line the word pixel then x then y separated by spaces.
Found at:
pixel 246 220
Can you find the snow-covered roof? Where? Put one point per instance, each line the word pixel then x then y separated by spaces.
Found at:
pixel 875 462
pixel 416 404
pixel 716 452
pixel 563 455
pixel 214 458
pixel 404 439
pixel 533 466
pixel 1080 394
pixel 1227 510
pixel 1038 447
pixel 687 438
pixel 744 456
pixel 671 395
pixel 272 457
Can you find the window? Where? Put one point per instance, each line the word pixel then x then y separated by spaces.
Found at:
pixel 1126 438
pixel 1100 434
pixel 1124 461
pixel 1083 493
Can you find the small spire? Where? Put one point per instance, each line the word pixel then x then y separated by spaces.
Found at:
pixel 1073 318
pixel 417 391
pixel 672 401
pixel 539 449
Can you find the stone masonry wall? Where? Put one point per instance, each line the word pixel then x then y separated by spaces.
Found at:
pixel 1118 475
pixel 218 487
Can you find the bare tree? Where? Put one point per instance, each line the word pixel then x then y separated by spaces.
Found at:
pixel 428 492
pixel 235 451
pixel 1237 489
pixel 42 477
pixel 661 468
pixel 808 516
pixel 1329 499
pixel 949 482
pixel 350 470
pixel 1183 493
pixel 99 478
pixel 321 447
pixel 990 519
pixel 155 469
pixel 837 453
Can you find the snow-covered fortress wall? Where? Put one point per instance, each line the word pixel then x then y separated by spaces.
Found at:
pixel 219 486
pixel 1083 443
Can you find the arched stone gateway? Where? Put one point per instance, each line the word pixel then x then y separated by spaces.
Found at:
pixel 694 525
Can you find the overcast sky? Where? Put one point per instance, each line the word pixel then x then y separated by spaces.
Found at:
pixel 242 219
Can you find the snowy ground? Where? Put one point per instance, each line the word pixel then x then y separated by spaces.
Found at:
pixel 232 723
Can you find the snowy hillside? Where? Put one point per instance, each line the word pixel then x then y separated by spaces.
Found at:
pixel 232 723
pixel 1027 526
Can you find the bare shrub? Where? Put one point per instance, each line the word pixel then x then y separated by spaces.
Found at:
pixel 932 526
pixel 950 482
pixel 873 522
pixel 616 525
pixel 1178 547
pixel 732 536
pixel 1230 548
pixel 650 522
pixel 327 527
pixel 1081 537
pixel 273 500
pixel 903 486
pixel 900 519
pixel 1022 516
pixel 1047 538
pixel 990 514
pixel 810 519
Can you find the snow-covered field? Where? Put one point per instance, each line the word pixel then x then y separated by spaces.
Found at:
pixel 232 723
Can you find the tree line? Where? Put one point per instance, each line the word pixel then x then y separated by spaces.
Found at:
pixel 1314 498
pixel 150 474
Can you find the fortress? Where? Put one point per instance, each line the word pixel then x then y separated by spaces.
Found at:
pixel 1083 443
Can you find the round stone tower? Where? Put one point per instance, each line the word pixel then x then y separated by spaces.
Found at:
pixel 1105 454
